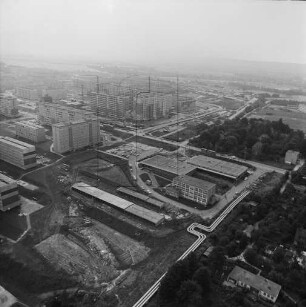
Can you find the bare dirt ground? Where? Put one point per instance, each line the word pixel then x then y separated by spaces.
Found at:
pixel 65 254
pixel 126 250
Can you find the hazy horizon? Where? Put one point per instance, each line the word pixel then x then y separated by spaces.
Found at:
pixel 154 32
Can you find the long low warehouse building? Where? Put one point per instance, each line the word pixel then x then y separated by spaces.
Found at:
pixel 119 203
pixel 219 167
pixel 142 197
pixel 166 165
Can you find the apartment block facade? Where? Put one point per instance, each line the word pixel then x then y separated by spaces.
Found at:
pixel 18 153
pixel 110 106
pixel 52 113
pixel 9 194
pixel 28 93
pixel 75 135
pixel 8 105
pixel 194 189
pixel 30 131
pixel 152 106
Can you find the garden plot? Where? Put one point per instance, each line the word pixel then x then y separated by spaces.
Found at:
pixel 86 266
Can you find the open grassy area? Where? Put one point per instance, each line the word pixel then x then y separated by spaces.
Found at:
pixel 295 119
pixel 181 135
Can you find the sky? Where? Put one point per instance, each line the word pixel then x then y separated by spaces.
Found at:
pixel 154 31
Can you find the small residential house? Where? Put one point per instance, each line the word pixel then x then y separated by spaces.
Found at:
pixel 257 284
pixel 291 157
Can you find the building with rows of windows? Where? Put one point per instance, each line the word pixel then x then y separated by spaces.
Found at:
pixel 18 153
pixel 9 194
pixel 8 105
pixel 75 135
pixel 52 113
pixel 194 189
pixel 30 131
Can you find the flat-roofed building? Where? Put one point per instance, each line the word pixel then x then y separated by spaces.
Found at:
pixel 8 105
pixel 292 157
pixel 168 166
pixel 259 285
pixel 219 167
pixel 9 194
pixel 194 189
pixel 119 203
pixel 30 131
pixel 20 154
pixel 75 135
pixel 52 113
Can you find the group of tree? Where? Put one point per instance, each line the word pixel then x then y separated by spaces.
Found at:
pixel 238 137
pixel 187 283
pixel 279 217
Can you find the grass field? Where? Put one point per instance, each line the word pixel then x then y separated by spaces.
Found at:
pixel 296 120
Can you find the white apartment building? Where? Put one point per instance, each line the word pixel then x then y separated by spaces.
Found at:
pixel 30 131
pixel 153 106
pixel 9 194
pixel 8 105
pixel 51 113
pixel 18 153
pixel 75 135
pixel 110 106
pixel 27 93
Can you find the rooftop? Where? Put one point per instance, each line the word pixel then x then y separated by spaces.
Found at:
pixel 75 122
pixel 218 166
pixel 4 180
pixel 120 203
pixel 169 165
pixel 255 281
pixel 202 184
pixel 102 195
pixel 58 106
pixel 29 124
pixel 16 143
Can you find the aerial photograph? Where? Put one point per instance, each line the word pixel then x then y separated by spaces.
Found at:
pixel 152 153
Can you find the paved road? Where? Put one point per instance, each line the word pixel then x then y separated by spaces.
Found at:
pixel 200 239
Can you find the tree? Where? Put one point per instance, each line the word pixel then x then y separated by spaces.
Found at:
pixel 202 277
pixel 217 258
pixel 250 256
pixel 189 289
pixel 279 255
pixel 170 284
pixel 303 148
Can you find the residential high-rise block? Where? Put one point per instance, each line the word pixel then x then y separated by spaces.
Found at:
pixel 30 131
pixel 75 135
pixel 52 113
pixel 8 105
pixel 110 106
pixel 152 106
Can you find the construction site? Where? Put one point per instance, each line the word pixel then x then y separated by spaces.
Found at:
pixel 95 231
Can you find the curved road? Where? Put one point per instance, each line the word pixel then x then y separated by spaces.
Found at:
pixel 201 238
